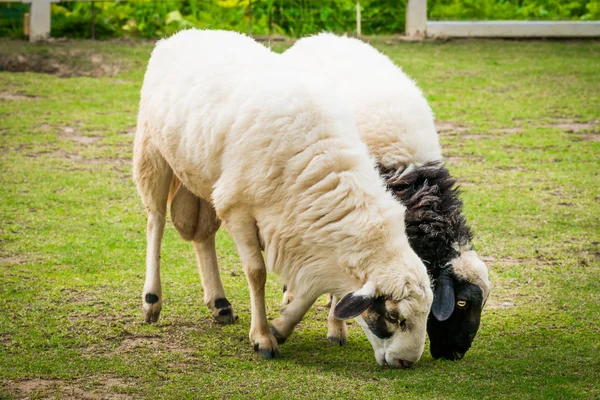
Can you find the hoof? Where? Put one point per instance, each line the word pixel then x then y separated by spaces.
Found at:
pixel 337 341
pixel 222 311
pixel 278 336
pixel 151 305
pixel 266 353
pixel 265 346
pixel 337 332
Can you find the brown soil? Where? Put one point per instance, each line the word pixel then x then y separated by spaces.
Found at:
pixel 79 159
pixel 575 127
pixel 448 126
pixel 462 159
pixel 11 260
pixel 60 62
pixel 104 388
pixel 75 136
pixel 15 96
pixel 170 344
pixel 509 130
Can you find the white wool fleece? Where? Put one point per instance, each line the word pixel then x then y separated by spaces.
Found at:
pixel 392 115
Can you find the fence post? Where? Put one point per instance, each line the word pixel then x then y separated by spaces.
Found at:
pixel 39 20
pixel 358 30
pixel 416 18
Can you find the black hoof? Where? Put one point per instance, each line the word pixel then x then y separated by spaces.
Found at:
pixel 268 354
pixel 225 317
pixel 278 336
pixel 151 307
pixel 223 312
pixel 336 341
pixel 151 316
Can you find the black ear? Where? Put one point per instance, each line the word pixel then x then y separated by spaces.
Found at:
pixel 443 301
pixel 352 305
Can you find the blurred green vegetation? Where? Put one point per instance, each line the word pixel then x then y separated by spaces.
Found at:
pixel 294 18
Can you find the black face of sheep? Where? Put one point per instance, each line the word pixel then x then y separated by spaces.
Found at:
pixel 439 234
pixel 454 318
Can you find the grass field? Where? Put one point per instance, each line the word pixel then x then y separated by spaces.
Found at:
pixel 520 125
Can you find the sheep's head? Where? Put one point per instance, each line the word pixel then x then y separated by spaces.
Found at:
pixel 460 293
pixel 395 325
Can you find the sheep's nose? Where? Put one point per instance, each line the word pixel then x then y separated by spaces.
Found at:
pixel 458 355
pixel 406 364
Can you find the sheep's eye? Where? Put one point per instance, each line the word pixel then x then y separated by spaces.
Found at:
pixel 392 318
pixel 403 324
pixel 461 304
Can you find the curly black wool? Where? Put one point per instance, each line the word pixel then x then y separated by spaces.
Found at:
pixel 434 221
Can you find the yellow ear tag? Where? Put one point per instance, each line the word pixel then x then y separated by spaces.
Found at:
pixel 461 303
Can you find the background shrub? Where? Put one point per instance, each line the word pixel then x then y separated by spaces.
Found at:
pixel 295 18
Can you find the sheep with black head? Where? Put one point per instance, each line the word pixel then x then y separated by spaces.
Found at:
pixel 438 232
pixel 396 123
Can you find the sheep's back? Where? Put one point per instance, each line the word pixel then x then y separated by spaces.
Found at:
pixel 392 115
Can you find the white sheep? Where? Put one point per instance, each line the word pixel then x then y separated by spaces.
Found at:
pixel 274 154
pixel 397 124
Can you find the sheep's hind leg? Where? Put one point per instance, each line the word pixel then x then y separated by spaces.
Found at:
pixel 195 219
pixel 244 233
pixel 153 176
pixel 337 331
pixel 214 293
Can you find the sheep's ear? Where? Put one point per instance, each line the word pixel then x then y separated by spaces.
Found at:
pixel 443 301
pixel 353 304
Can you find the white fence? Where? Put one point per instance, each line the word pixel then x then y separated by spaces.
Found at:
pixel 417 25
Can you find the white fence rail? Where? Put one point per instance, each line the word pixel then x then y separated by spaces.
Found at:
pixel 417 25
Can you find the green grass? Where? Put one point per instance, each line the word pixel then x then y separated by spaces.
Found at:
pixel 520 126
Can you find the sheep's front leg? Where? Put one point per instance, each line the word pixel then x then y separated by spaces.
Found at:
pixel 337 331
pixel 290 315
pixel 244 234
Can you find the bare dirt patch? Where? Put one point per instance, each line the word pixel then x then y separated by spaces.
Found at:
pixel 77 296
pixel 449 126
pixel 76 136
pixel 11 260
pixel 61 62
pixel 99 388
pixel 134 343
pixel 575 127
pixel 494 304
pixel 129 132
pixel 92 161
pixel 590 137
pixel 514 168
pixel 462 159
pixel 15 96
pixel 509 131
pixel 503 262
